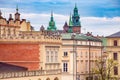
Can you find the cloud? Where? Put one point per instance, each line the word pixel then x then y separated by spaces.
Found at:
pixel 101 25
pixel 95 8
pixel 97 25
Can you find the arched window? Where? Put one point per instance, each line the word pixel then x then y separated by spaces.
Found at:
pixel 56 78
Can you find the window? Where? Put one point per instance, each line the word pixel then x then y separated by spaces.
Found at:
pixel 86 66
pixel 115 42
pixel 115 56
pixel 86 54
pixel 65 67
pixel 47 56
pixel 51 56
pixel 65 53
pixel 115 70
pixel 56 56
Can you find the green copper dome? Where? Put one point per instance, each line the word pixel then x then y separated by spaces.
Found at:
pixel 51 26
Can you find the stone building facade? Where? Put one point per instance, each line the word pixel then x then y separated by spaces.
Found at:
pixel 38 52
pixel 79 55
pixel 112 50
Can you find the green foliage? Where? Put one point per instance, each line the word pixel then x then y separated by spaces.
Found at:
pixel 104 68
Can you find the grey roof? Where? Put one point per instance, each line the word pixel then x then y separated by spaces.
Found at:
pixel 5 67
pixel 117 34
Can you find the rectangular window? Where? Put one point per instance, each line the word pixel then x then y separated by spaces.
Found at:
pixel 56 56
pixel 115 42
pixel 47 56
pixel 115 70
pixel 86 54
pixel 65 53
pixel 86 65
pixel 51 56
pixel 65 67
pixel 115 56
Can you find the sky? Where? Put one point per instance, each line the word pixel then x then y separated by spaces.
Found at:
pixel 101 17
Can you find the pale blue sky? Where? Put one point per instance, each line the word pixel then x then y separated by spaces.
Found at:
pixel 98 16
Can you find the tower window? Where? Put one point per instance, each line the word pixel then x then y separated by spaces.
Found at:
pixel 115 43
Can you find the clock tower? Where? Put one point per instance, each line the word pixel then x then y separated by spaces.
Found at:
pixel 75 21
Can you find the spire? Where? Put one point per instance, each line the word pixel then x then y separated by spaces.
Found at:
pixel 75 5
pixel 76 10
pixel 70 21
pixel 17 8
pixel 51 15
pixel 51 26
pixel 17 14
pixel 75 17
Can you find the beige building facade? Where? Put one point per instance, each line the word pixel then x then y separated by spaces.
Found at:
pixel 66 56
pixel 39 52
pixel 113 52
pixel 79 55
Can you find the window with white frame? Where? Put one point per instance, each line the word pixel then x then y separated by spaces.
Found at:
pixel 65 67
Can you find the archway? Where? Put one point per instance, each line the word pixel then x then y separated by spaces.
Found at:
pixel 56 78
pixel 48 79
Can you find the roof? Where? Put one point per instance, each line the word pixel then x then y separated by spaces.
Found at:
pixel 115 35
pixel 79 37
pixel 5 67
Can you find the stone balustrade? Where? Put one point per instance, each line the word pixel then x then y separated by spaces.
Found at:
pixel 5 75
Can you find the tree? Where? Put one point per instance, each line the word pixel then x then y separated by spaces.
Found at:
pixel 104 68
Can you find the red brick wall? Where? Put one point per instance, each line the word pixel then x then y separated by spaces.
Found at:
pixel 21 55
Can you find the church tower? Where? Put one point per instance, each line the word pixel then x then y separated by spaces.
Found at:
pixel 75 21
pixel 51 26
pixel 17 14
